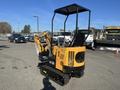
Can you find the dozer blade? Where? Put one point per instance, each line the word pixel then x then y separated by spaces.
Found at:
pixel 48 70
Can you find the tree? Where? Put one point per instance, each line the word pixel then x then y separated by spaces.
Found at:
pixel 5 27
pixel 26 29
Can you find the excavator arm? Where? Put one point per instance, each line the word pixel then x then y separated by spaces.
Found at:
pixel 38 43
pixel 44 49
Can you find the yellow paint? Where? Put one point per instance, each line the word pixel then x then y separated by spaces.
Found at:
pixel 62 58
pixel 38 43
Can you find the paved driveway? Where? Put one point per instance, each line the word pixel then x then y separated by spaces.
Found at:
pixel 18 70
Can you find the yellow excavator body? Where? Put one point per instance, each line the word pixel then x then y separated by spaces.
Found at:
pixel 61 62
pixel 68 57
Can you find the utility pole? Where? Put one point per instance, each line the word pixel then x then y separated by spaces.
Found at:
pixel 37 18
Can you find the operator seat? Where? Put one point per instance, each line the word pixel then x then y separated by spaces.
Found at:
pixel 78 39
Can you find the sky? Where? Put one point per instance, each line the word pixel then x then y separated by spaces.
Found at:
pixel 21 12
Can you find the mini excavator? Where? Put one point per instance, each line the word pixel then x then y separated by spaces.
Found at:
pixel 61 62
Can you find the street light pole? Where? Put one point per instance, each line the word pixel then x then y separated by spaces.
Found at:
pixel 37 17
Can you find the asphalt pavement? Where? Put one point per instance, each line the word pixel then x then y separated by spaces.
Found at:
pixel 18 70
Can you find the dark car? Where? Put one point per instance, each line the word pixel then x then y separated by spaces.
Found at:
pixel 13 37
pixel 31 39
pixel 20 39
pixel 27 37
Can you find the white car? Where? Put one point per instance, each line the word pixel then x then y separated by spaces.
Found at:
pixel 90 40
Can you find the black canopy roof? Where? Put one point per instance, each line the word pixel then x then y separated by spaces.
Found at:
pixel 71 9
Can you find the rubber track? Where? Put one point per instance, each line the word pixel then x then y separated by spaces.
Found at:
pixel 54 74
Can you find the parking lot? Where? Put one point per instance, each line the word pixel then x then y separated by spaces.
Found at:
pixel 18 70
